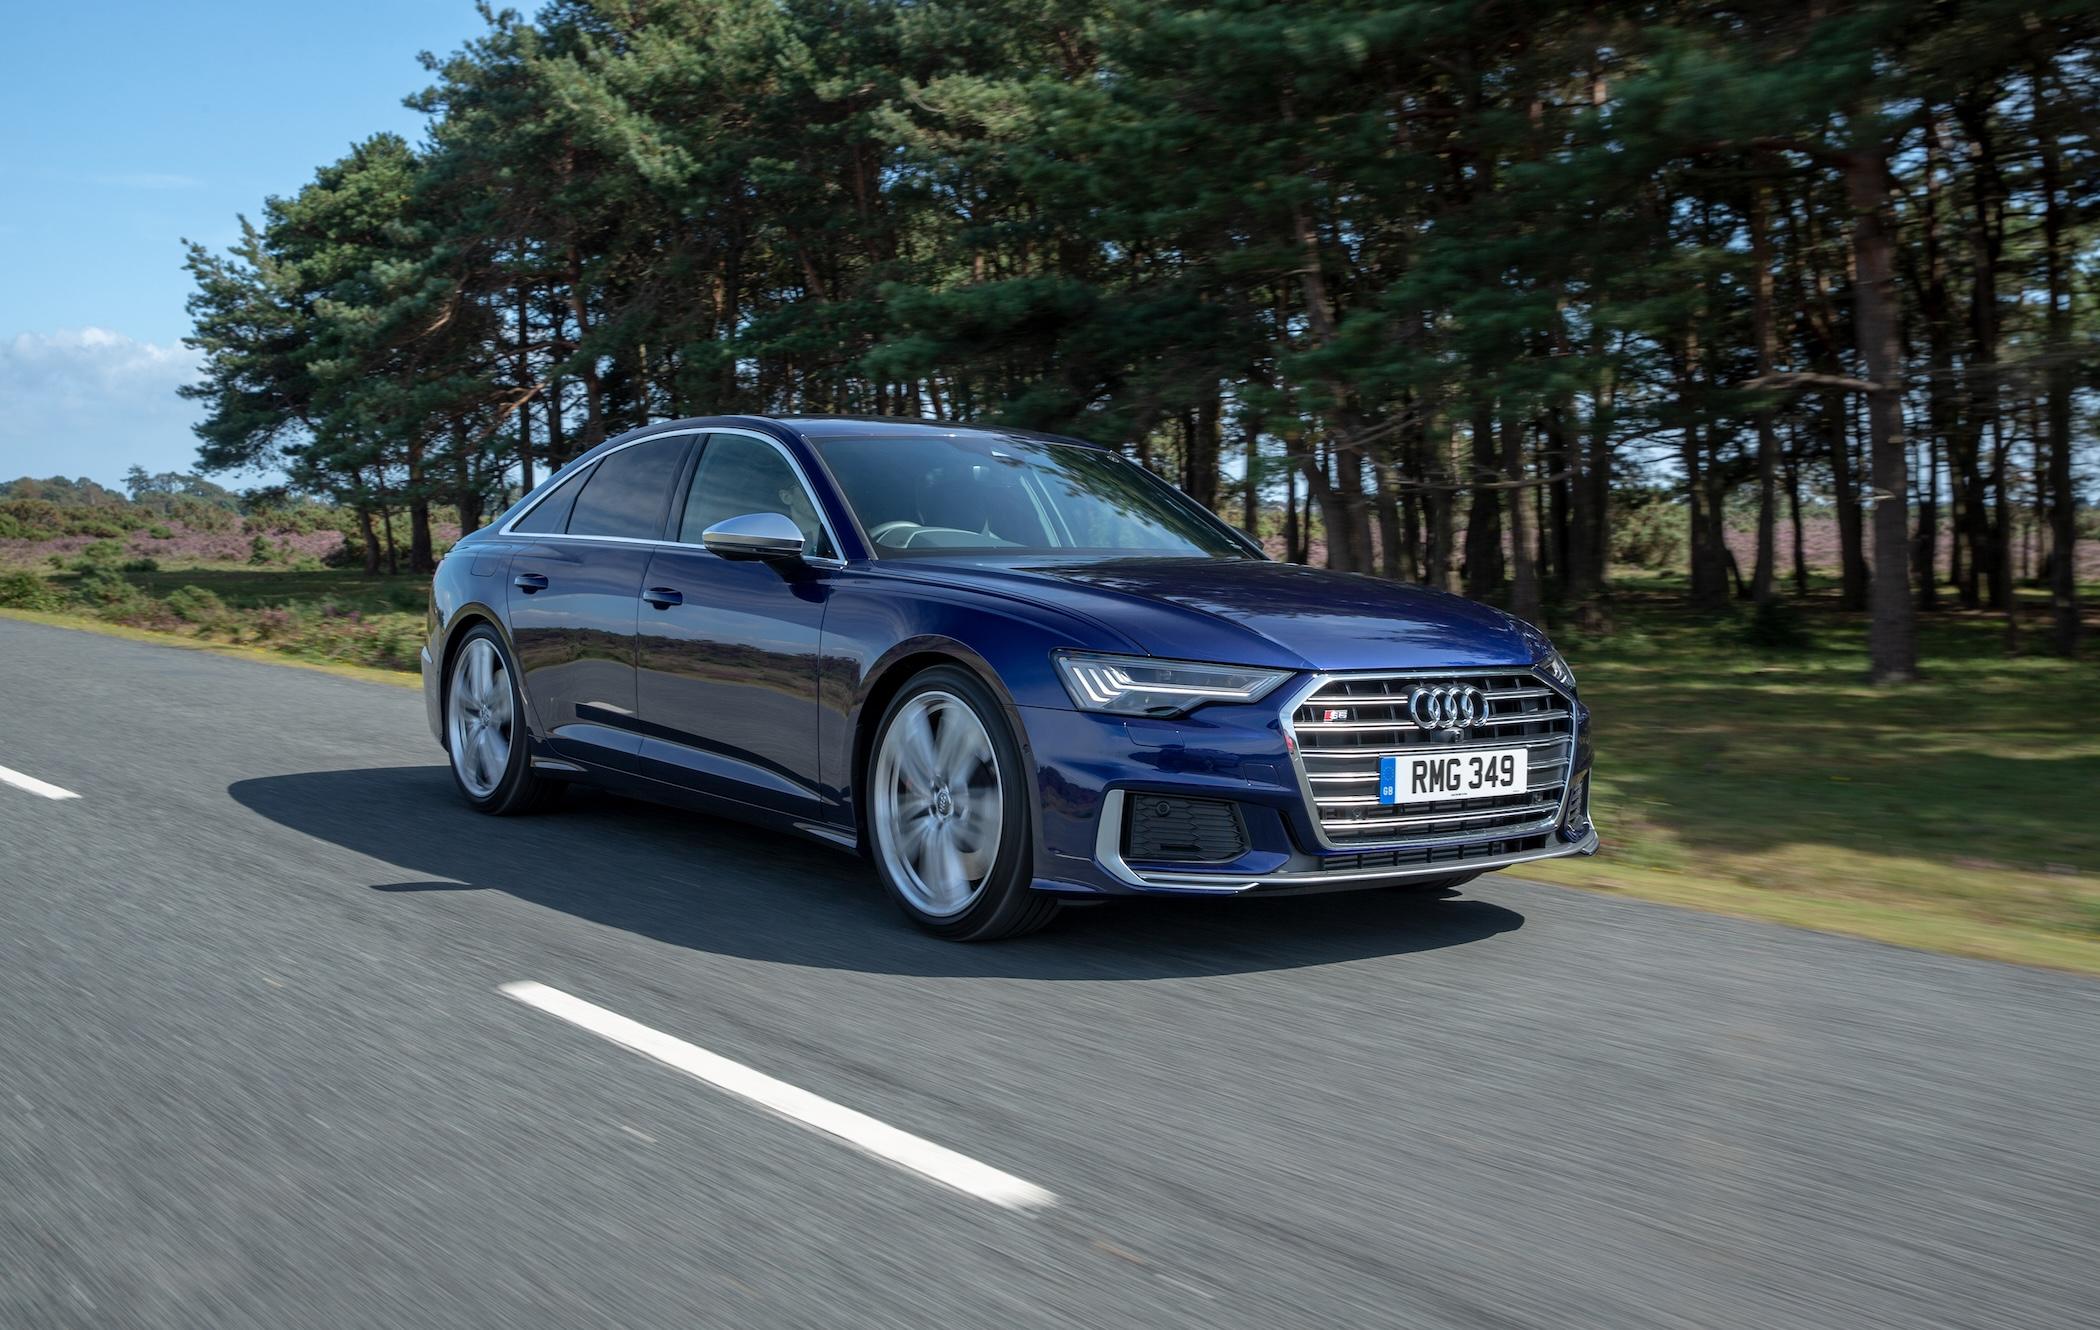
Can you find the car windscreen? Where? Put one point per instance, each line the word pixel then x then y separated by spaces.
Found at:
pixel 978 494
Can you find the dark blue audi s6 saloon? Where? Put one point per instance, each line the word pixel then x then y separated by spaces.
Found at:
pixel 1013 670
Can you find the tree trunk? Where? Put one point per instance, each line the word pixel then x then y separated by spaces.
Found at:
pixel 371 539
pixel 1793 505
pixel 1763 575
pixel 1834 420
pixel 1388 509
pixel 1892 647
pixel 1443 503
pixel 524 373
pixel 466 495
pixel 1484 517
pixel 1202 453
pixel 1250 495
pixel 2063 499
pixel 422 557
pixel 1524 583
pixel 1925 546
pixel 1290 515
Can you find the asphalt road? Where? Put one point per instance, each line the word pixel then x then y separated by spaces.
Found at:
pixel 256 1070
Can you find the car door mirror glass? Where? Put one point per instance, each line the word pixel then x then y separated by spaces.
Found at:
pixel 755 536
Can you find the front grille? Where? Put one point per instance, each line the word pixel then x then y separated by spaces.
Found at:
pixel 1345 725
pixel 1167 829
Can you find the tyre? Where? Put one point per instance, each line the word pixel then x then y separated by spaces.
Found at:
pixel 948 819
pixel 486 736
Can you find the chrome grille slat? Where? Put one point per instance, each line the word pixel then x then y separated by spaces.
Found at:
pixel 1371 801
pixel 1337 760
pixel 1514 718
pixel 1431 819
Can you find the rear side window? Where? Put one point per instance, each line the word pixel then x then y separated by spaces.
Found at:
pixel 626 495
pixel 551 514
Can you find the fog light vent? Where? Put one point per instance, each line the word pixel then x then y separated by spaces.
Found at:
pixel 1168 829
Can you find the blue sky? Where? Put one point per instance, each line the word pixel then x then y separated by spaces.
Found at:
pixel 129 127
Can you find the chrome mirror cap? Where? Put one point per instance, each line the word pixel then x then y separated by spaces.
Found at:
pixel 755 536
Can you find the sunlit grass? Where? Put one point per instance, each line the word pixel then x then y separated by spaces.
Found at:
pixel 1960 812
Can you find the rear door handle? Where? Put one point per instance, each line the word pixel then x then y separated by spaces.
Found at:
pixel 663 597
pixel 530 582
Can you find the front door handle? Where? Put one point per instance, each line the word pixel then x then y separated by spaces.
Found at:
pixel 530 582
pixel 663 597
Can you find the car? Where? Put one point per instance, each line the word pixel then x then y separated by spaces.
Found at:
pixel 1014 671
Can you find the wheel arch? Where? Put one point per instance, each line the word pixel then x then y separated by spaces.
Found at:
pixel 897 668
pixel 462 621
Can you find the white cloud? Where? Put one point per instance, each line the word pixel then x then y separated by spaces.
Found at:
pixel 91 402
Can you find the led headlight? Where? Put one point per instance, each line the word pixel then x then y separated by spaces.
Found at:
pixel 1141 686
pixel 1552 663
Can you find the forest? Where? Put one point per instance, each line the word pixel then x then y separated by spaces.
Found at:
pixel 1459 293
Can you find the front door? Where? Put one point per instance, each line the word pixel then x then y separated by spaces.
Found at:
pixel 576 585
pixel 727 649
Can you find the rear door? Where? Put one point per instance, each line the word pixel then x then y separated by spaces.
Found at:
pixel 576 585
pixel 728 648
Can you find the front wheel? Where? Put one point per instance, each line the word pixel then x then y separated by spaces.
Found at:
pixel 948 820
pixel 485 732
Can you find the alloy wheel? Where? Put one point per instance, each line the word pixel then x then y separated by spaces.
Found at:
pixel 939 806
pixel 480 718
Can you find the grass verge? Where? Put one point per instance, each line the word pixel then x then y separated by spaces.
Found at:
pixel 269 655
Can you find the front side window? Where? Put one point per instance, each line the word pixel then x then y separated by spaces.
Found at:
pixel 978 494
pixel 625 496
pixel 739 475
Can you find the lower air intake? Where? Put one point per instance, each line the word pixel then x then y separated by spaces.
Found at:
pixel 1167 829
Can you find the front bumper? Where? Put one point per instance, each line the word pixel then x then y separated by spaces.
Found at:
pixel 1090 767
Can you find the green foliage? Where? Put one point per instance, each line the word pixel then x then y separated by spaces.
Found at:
pixel 99 556
pixel 160 532
pixel 195 605
pixel 1648 531
pixel 261 551
pixel 28 591
pixel 142 564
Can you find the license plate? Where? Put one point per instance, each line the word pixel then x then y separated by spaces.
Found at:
pixel 1431 777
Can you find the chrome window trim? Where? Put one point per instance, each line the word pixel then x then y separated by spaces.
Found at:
pixel 808 491
pixel 1305 691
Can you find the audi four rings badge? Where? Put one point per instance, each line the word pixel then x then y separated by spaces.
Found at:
pixel 1453 708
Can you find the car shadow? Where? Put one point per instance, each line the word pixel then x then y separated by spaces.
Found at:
pixel 719 886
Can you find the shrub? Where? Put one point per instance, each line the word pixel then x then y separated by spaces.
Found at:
pixel 195 604
pixel 99 557
pixel 349 554
pixel 28 591
pixel 260 550
pixel 145 563
pixel 160 532
pixel 1649 535
pixel 102 586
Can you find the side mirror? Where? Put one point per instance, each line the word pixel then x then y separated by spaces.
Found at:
pixel 755 536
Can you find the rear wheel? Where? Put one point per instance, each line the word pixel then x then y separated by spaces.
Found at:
pixel 485 732
pixel 947 817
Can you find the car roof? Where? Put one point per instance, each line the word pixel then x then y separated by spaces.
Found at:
pixel 903 427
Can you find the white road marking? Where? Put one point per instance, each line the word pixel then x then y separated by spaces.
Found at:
pixel 879 1139
pixel 8 776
